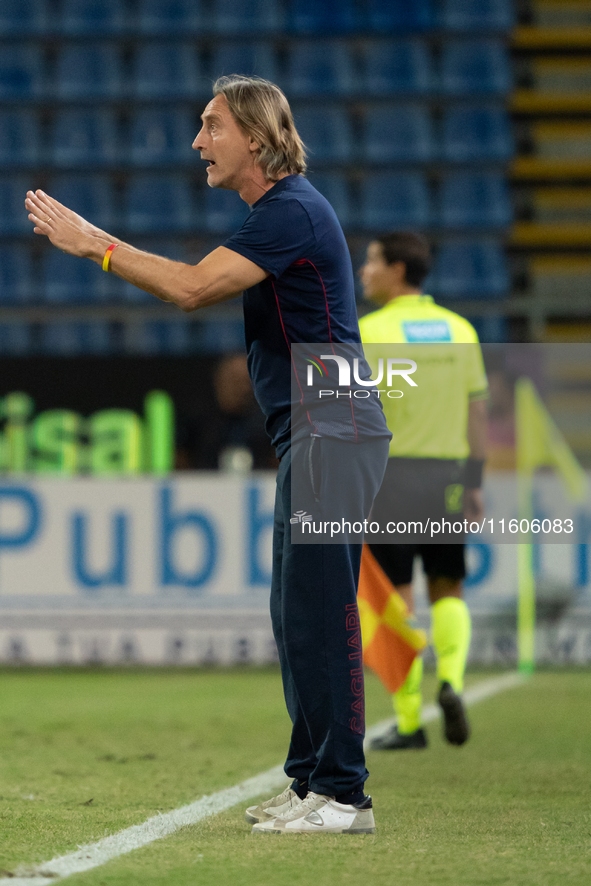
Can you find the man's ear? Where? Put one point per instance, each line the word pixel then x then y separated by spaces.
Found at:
pixel 253 146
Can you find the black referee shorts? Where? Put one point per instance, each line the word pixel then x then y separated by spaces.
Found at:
pixel 439 561
pixel 418 490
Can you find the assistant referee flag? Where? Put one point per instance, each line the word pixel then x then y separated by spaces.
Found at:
pixel 391 641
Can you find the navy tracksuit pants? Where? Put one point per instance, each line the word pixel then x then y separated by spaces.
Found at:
pixel 314 610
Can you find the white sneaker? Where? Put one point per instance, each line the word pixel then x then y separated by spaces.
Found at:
pixel 270 809
pixel 319 814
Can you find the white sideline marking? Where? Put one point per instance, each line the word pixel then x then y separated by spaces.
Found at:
pixel 154 828
pixel 96 854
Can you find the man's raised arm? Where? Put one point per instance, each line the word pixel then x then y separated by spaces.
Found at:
pixel 221 275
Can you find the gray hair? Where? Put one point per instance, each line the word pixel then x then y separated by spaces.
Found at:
pixel 263 112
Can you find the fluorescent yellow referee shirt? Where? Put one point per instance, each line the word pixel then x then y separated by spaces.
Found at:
pixel 431 419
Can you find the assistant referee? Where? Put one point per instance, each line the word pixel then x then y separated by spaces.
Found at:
pixel 434 469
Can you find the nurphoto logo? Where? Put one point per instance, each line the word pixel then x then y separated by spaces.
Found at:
pixel 395 369
pixel 345 371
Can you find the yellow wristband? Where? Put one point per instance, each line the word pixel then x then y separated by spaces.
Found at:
pixel 108 254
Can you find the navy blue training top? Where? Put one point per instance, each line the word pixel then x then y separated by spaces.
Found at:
pixel 293 233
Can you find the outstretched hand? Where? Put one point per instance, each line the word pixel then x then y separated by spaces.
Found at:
pixel 65 229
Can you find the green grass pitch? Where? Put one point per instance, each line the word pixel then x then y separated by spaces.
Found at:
pixel 86 753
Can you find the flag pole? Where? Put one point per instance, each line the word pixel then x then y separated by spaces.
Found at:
pixel 526 609
pixel 539 443
pixel 526 587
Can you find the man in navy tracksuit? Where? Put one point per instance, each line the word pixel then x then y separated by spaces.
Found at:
pixel 291 259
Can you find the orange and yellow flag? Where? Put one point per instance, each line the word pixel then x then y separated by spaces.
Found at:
pixel 391 641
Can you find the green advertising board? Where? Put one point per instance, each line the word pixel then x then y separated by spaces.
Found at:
pixel 63 442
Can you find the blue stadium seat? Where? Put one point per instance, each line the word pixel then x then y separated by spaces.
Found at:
pixel 402 66
pixel 326 133
pixel 475 133
pixel 400 16
pixel 478 15
pixel 71 280
pixel 473 269
pixel 225 211
pixel 243 16
pixel 391 200
pixel 162 135
pixel 25 18
pixel 88 70
pixel 475 67
pixel 63 338
pixel 158 203
pixel 16 339
pixel 473 199
pixel 328 17
pixel 430 283
pixel 84 137
pixel 20 138
pixel 400 133
pixel 92 196
pixel 159 337
pixel 322 68
pixel 491 330
pixel 17 282
pixel 220 336
pixel 251 58
pixel 21 72
pixel 168 17
pixel 134 296
pixel 13 215
pixel 165 70
pixel 96 17
pixel 333 186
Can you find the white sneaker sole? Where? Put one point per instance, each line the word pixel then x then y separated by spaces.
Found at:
pixel 319 831
pixel 361 823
